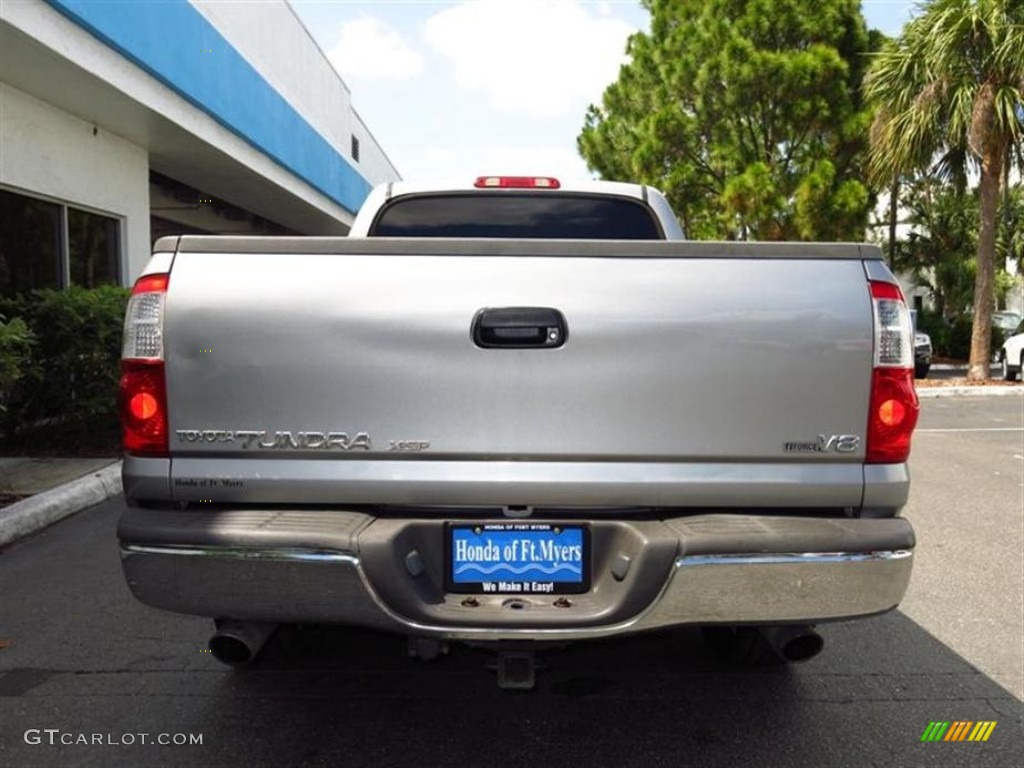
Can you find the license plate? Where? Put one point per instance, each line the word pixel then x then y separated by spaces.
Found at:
pixel 518 558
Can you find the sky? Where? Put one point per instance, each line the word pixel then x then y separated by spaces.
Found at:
pixel 487 87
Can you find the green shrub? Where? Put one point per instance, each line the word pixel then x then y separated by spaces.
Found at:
pixel 959 347
pixel 71 374
pixel 953 340
pixel 938 329
pixel 16 342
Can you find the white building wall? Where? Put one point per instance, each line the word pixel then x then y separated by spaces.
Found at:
pixel 373 163
pixel 276 43
pixel 47 152
pixel 38 20
pixel 60 82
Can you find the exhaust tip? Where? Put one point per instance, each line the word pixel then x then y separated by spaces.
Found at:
pixel 802 647
pixel 764 645
pixel 793 643
pixel 238 643
pixel 230 650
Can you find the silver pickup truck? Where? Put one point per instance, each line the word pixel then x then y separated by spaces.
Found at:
pixel 517 413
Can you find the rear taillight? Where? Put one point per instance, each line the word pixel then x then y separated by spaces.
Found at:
pixel 894 405
pixel 143 408
pixel 143 393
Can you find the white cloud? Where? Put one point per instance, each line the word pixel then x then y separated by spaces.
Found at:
pixel 543 58
pixel 472 160
pixel 370 50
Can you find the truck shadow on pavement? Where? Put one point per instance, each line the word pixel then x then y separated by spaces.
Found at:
pixel 662 699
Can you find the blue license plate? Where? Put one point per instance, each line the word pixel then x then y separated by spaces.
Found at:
pixel 518 558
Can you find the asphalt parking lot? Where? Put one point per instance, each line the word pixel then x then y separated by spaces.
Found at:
pixel 80 657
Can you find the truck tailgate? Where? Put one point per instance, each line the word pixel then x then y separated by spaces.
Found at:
pixel 334 362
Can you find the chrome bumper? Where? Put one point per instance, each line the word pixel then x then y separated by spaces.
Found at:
pixel 343 567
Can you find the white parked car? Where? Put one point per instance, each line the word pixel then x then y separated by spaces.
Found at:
pixel 1012 354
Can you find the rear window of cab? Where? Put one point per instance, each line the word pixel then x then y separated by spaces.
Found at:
pixel 545 215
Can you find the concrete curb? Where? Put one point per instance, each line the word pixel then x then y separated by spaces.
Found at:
pixel 996 391
pixel 39 511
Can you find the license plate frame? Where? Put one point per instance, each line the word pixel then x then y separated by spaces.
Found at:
pixel 535 573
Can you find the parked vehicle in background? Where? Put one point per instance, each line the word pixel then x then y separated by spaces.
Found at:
pixel 922 355
pixel 1011 356
pixel 1006 321
pixel 922 350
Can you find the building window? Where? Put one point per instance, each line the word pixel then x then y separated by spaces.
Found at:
pixel 48 245
pixel 92 248
pixel 30 244
pixel 355 149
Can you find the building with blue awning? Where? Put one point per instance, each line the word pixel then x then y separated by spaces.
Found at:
pixel 121 122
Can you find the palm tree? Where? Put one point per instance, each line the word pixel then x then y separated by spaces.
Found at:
pixel 952 87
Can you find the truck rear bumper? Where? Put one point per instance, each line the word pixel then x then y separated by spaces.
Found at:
pixel 328 566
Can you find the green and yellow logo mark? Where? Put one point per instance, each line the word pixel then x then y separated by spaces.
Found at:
pixel 959 730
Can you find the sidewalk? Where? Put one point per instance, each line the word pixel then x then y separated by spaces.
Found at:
pixel 967 390
pixel 39 492
pixel 946 380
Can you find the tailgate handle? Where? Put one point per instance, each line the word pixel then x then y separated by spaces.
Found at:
pixel 519 328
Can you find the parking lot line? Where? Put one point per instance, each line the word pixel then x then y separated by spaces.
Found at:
pixel 971 429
